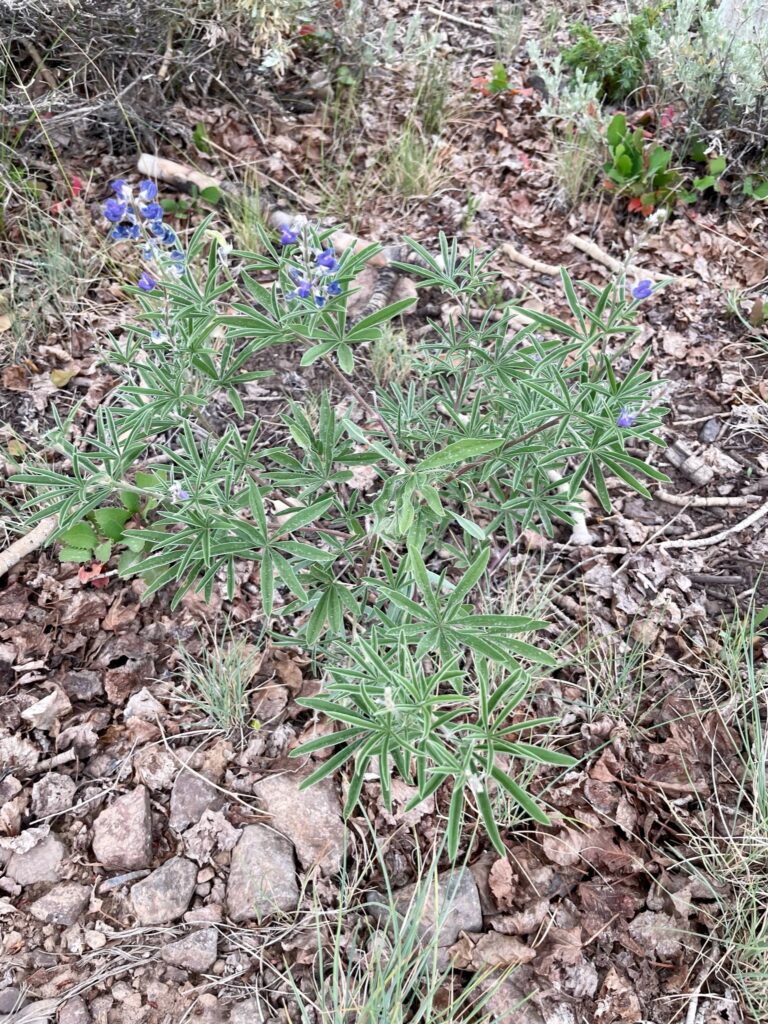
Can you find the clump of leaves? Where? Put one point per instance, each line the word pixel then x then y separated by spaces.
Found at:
pixel 383 585
pixel 638 168
pixel 615 65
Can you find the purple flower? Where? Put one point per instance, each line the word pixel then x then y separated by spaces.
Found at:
pixel 126 230
pixel 146 283
pixel 114 210
pixel 178 493
pixel 304 289
pixel 626 418
pixel 327 260
pixel 121 189
pixel 334 288
pixel 643 289
pixel 319 301
pixel 152 211
pixel 147 191
pixel 288 236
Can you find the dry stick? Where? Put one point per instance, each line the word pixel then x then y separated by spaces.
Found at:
pixel 27 544
pixel 702 501
pixel 461 21
pixel 705 542
pixel 593 250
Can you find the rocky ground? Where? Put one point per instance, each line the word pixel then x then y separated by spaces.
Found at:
pixel 154 870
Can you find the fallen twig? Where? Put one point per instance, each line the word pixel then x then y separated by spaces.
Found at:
pixel 527 261
pixel 27 544
pixel 706 501
pixel 591 249
pixel 705 542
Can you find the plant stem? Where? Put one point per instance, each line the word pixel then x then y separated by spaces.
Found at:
pixel 350 387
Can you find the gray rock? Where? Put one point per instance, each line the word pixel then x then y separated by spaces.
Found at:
pixel 82 685
pixel 74 1011
pixel 53 794
pixel 456 908
pixel 262 875
pixel 164 895
pixel 249 1012
pixel 144 705
pixel 62 905
pixel 122 834
pixel 192 794
pixel 310 818
pixel 42 1011
pixel 195 952
pixel 40 864
pixel 12 999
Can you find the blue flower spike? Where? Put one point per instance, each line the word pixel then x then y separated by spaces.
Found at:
pixel 327 260
pixel 334 288
pixel 122 189
pixel 643 289
pixel 151 211
pixel 147 191
pixel 626 418
pixel 146 283
pixel 289 235
pixel 114 210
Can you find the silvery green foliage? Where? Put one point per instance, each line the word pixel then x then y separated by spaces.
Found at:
pixel 512 412
pixel 570 100
pixel 714 58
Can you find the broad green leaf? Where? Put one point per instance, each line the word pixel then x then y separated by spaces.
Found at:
pixel 111 521
pixel 68 554
pixel 379 317
pixel 82 536
pixel 461 451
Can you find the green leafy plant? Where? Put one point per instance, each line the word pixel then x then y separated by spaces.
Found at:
pixel 638 169
pixel 497 431
pixel 210 196
pixel 616 65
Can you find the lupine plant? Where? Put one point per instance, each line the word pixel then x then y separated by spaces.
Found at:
pixel 511 412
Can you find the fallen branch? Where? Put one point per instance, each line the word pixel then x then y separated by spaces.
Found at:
pixel 592 249
pixel 705 542
pixel 703 501
pixel 527 261
pixel 27 544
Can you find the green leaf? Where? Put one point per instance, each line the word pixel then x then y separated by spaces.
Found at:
pixel 111 521
pixel 200 138
pixel 472 528
pixel 346 358
pixel 103 552
pixel 455 818
pixel 82 536
pixel 379 317
pixel 461 451
pixel 305 516
pixel 518 794
pixel 617 129
pixel 68 554
pixel 130 501
pixel 211 194
pixel 432 498
pixel 267 580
